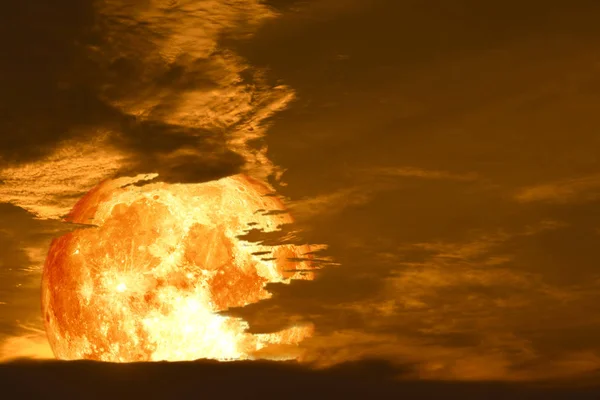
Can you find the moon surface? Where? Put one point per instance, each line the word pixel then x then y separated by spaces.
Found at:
pixel 147 279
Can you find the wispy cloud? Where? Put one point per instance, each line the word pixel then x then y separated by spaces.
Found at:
pixel 332 202
pixel 416 172
pixel 49 188
pixel 455 310
pixel 586 188
pixel 368 182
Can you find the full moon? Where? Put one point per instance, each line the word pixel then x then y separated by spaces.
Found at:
pixel 147 280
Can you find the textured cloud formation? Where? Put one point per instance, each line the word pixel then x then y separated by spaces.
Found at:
pixel 456 310
pixel 49 188
pixel 164 68
pixel 174 102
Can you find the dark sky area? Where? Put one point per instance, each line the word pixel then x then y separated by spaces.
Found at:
pixel 445 152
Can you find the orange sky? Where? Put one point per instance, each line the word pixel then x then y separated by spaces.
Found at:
pixel 447 154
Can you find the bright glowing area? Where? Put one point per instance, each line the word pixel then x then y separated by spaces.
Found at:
pixel 148 281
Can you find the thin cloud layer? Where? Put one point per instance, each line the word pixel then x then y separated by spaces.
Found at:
pixel 368 183
pixel 455 311
pixel 586 188
pixel 49 188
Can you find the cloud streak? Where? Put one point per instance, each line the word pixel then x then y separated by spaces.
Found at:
pixel 370 182
pixel 582 189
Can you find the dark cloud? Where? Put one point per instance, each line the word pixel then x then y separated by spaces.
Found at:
pixel 467 82
pixel 43 77
pixel 177 154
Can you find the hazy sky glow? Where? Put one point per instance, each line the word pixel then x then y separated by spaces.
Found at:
pixel 446 153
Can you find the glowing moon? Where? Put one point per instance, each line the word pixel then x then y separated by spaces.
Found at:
pixel 146 282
